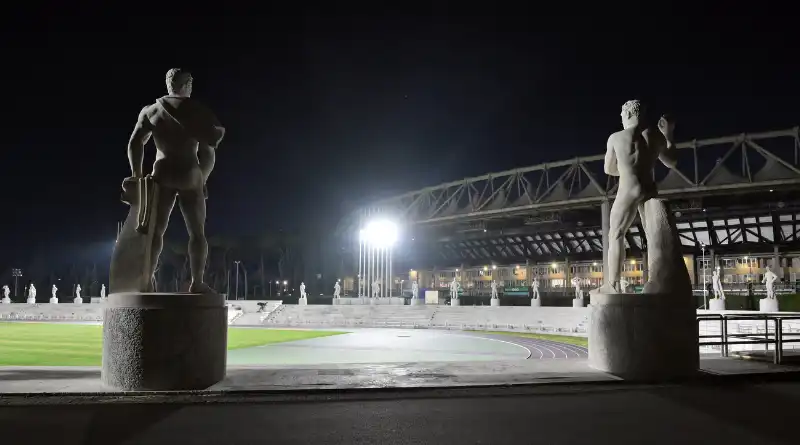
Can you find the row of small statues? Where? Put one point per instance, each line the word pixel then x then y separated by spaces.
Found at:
pixel 337 290
pixel 769 280
pixel 54 299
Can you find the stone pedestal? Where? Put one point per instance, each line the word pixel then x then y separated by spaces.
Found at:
pixel 5 300
pixel 164 341
pixel 455 302
pixel 78 300
pixel 768 305
pixel 53 300
pixel 31 300
pixel 536 302
pixel 577 302
pixel 335 302
pixel 373 301
pixel 303 302
pixel 716 304
pixel 417 302
pixel 495 302
pixel 644 336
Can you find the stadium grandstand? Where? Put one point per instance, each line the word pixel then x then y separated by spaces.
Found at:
pixel 734 199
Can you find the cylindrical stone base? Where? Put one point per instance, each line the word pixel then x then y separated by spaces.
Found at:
pixel 78 300
pixel 335 302
pixel 577 302
pixel 644 336
pixel 536 302
pixel 768 305
pixel 164 341
pixel 495 302
pixel 455 302
pixel 53 300
pixel 716 304
pixel 5 300
pixel 302 302
pixel 31 301
pixel 417 302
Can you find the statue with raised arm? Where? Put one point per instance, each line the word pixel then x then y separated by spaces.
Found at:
pixel 769 279
pixel 186 135
pixel 623 285
pixel 576 283
pixel 494 290
pixel 716 281
pixel 536 287
pixel 631 155
pixel 337 290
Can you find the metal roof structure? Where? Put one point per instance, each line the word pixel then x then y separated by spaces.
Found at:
pixel 734 192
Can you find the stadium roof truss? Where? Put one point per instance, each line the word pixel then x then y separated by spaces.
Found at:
pixel 732 164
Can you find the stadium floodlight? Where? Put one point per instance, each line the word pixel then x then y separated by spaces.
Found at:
pixel 380 233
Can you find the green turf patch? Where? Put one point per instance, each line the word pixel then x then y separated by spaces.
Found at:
pixel 578 341
pixel 56 344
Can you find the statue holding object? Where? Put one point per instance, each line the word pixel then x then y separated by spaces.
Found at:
pixel 186 135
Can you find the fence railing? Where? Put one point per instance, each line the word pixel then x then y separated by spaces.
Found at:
pixel 406 324
pixel 775 337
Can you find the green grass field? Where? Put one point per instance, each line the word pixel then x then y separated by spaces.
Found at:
pixel 54 344
pixel 578 341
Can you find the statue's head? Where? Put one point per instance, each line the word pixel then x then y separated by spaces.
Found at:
pixel 179 82
pixel 632 110
pixel 768 269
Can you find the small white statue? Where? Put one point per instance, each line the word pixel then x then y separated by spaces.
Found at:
pixel 623 285
pixel 103 291
pixel 302 290
pixel 78 291
pixel 31 294
pixel 536 287
pixel 337 290
pixel 54 298
pixel 414 289
pixel 576 282
pixel 717 284
pixel 376 288
pixel 454 289
pixel 6 291
pixel 494 290
pixel 769 280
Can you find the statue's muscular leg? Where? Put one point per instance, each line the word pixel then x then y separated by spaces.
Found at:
pixel 623 213
pixel 164 205
pixel 193 207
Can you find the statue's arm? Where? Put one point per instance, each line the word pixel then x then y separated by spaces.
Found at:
pixel 669 151
pixel 141 134
pixel 611 158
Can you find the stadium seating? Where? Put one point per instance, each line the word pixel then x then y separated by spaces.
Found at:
pixel 541 319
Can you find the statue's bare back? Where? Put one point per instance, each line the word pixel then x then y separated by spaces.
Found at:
pixel 631 154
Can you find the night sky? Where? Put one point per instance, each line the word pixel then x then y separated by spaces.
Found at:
pixel 322 113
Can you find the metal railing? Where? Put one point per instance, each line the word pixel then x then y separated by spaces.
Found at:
pixel 775 337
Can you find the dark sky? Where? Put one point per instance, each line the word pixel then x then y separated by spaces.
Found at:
pixel 322 111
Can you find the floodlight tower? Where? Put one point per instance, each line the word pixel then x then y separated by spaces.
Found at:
pixel 376 240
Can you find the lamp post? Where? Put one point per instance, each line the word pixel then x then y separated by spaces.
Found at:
pixel 705 292
pixel 16 273
pixel 237 281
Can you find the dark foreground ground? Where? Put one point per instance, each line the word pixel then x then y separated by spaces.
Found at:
pixel 721 411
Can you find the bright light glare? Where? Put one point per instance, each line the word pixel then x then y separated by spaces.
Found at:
pixel 380 233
